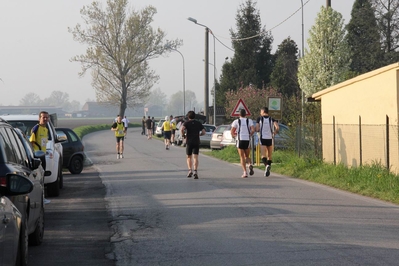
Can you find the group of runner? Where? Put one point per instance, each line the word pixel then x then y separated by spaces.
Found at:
pixel 242 129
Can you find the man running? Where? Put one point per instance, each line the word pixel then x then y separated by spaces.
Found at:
pixel 265 125
pixel 191 130
pixel 166 128
pixel 243 129
pixel 119 129
pixel 148 124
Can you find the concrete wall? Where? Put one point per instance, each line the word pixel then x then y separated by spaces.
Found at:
pixel 371 96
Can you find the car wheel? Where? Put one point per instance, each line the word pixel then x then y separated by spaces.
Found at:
pixel 53 189
pixel 36 238
pixel 60 176
pixel 76 165
pixel 22 255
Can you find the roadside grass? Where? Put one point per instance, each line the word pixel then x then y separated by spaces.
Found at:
pixel 84 130
pixel 369 180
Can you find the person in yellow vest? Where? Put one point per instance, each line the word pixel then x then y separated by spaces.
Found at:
pixel 39 138
pixel 166 128
pixel 173 130
pixel 119 128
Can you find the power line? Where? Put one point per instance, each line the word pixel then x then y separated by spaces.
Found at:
pixel 257 35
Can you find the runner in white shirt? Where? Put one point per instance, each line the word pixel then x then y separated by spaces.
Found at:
pixel 267 127
pixel 126 123
pixel 243 129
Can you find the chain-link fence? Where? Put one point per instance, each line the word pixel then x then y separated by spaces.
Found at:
pixel 352 145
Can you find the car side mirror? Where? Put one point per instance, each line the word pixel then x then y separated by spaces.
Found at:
pixel 61 138
pixel 13 184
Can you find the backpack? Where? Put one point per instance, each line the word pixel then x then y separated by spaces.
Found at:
pixel 239 128
pixel 270 124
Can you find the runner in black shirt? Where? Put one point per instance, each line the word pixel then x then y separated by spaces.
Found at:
pixel 192 130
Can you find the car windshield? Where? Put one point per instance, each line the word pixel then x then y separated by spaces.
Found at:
pixel 24 126
pixel 209 128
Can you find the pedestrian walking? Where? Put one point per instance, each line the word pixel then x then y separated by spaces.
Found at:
pixel 267 127
pixel 243 129
pixel 191 130
pixel 148 124
pixel 172 130
pixel 143 125
pixel 39 138
pixel 166 128
pixel 119 129
pixel 126 124
pixel 153 126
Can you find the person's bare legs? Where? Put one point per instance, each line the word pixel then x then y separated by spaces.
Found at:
pixel 241 153
pixel 267 158
pixel 189 165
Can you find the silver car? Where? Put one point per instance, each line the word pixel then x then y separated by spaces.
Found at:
pixel 13 232
pixel 158 129
pixel 205 140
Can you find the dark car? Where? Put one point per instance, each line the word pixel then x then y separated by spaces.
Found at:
pixel 13 231
pixel 73 150
pixel 17 158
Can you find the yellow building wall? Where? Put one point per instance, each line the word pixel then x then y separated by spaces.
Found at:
pixel 371 96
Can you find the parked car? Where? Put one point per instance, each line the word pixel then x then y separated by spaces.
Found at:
pixel 158 129
pixel 205 140
pixel 13 229
pixel 54 178
pixel 217 136
pixel 35 209
pixel 73 150
pixel 18 159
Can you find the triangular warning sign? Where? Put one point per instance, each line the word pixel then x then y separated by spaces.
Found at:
pixel 240 105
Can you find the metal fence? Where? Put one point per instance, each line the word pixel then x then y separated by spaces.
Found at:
pixel 350 144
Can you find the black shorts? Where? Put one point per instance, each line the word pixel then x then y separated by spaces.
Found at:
pixel 243 144
pixel 118 139
pixel 173 131
pixel 266 142
pixel 192 149
pixel 166 134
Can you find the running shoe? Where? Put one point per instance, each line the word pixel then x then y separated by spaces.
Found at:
pixel 117 156
pixel 267 170
pixel 244 175
pixel 190 174
pixel 195 175
pixel 121 156
pixel 251 169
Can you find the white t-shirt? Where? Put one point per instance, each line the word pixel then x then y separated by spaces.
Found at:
pixel 243 133
pixel 267 127
pixel 125 122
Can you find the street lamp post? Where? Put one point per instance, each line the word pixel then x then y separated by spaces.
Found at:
pixel 206 86
pixel 184 82
pixel 214 92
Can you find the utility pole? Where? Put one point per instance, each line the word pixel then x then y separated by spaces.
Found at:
pixel 328 3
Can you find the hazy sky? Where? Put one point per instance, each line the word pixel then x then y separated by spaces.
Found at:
pixel 36 46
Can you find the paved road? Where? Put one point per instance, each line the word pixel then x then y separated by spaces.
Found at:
pixel 157 216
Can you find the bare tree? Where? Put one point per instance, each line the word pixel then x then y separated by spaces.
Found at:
pixel 121 41
pixel 30 99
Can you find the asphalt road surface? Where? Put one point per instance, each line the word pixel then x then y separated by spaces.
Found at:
pixel 146 212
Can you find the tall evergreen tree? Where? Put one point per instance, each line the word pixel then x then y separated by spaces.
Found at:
pixel 327 60
pixel 364 38
pixel 387 14
pixel 252 61
pixel 284 77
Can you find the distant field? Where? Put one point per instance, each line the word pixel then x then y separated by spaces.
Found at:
pixel 77 122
